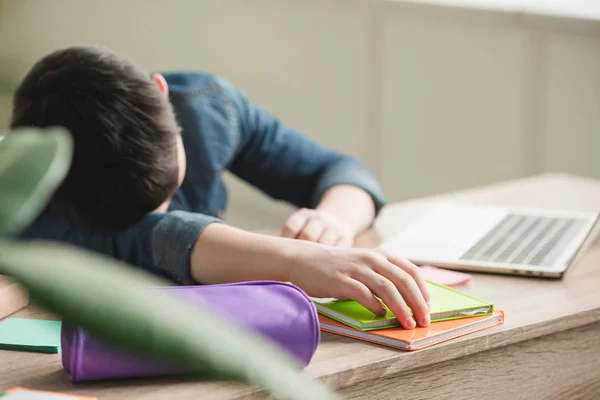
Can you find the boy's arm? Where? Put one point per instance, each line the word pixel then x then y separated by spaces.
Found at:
pixel 350 204
pixel 225 254
pixel 196 248
pixel 189 248
pixel 287 165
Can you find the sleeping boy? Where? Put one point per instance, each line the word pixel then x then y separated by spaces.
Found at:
pixel 145 185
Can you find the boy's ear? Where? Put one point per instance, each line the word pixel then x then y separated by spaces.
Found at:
pixel 161 82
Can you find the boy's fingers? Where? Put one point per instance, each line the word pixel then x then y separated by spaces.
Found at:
pixel 358 292
pixel 313 230
pixel 293 226
pixel 413 271
pixel 343 242
pixel 409 289
pixel 386 291
pixel 328 238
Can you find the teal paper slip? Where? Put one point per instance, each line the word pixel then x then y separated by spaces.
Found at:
pixel 30 335
pixel 446 304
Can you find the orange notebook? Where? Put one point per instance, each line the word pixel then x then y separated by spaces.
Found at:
pixel 418 338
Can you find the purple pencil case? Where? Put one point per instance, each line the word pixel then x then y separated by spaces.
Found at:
pixel 279 311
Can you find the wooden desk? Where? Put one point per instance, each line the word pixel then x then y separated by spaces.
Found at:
pixel 549 346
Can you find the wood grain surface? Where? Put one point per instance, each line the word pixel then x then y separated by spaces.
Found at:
pixel 12 297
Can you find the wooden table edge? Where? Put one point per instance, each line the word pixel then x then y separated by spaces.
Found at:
pixel 460 347
pixel 399 363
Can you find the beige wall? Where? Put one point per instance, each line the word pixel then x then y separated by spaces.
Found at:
pixel 431 98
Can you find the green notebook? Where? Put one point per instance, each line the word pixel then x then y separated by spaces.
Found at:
pixel 446 304
pixel 30 335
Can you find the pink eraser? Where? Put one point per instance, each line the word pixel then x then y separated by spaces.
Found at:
pixel 444 276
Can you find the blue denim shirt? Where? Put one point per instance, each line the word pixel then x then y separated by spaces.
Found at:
pixel 222 130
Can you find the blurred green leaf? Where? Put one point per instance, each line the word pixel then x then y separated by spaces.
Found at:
pixel 114 301
pixel 33 163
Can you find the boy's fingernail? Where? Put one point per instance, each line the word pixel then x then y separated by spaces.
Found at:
pixel 429 305
pixel 410 323
pixel 425 320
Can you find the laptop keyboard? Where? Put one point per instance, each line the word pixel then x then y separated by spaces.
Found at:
pixel 525 239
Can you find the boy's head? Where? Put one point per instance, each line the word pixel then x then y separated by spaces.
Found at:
pixel 128 157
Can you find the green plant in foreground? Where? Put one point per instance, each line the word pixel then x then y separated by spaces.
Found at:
pixel 111 299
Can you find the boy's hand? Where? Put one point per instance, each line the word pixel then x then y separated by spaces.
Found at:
pixel 343 212
pixel 318 226
pixel 365 276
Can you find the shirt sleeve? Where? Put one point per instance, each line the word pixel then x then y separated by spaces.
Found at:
pixel 287 165
pixel 172 240
pixel 159 243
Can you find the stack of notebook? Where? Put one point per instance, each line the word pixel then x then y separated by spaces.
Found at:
pixel 453 314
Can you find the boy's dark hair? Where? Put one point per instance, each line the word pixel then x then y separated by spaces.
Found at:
pixel 125 134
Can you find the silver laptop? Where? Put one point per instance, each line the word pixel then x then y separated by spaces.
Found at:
pixel 493 239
